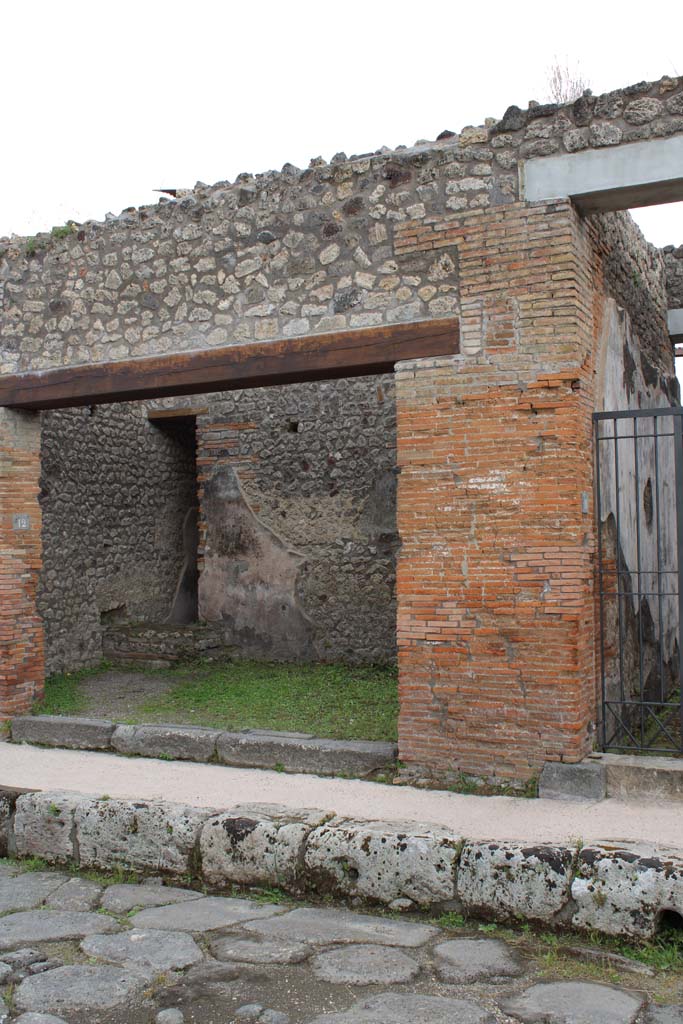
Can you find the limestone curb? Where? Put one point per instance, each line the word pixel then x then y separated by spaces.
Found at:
pixel 612 890
pixel 254 748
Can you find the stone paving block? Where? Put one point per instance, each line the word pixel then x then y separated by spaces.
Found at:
pixel 75 894
pixel 63 731
pixel 297 754
pixel 621 893
pixel 204 915
pixel 462 961
pixel 170 1016
pixel 50 926
pixel 80 988
pixel 321 927
pixel 119 899
pixel 181 742
pixel 249 951
pixel 256 845
pixel 508 881
pixel 139 948
pixel 29 890
pixel 664 1015
pixel 383 862
pixel 365 965
pixel 137 835
pixel 44 826
pixel 584 781
pixel 408 1008
pixel 574 1002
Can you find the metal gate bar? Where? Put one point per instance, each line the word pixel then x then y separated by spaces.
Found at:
pixel 639 505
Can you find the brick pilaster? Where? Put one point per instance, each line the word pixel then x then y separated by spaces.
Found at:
pixel 21 631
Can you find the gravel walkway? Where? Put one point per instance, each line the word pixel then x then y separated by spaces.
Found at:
pixel 655 826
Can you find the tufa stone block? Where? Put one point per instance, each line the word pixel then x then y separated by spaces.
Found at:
pixel 63 731
pixel 586 780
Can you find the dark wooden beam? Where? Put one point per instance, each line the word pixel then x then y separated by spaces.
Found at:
pixel 286 361
pixel 181 413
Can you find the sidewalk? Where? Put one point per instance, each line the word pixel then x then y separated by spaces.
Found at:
pixel 654 826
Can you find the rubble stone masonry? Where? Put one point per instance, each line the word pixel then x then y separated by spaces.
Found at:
pixel 495 604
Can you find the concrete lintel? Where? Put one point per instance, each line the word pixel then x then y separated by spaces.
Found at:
pixel 611 178
pixel 676 325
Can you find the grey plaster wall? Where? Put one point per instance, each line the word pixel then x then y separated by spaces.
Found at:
pixel 114 494
pixel 299 520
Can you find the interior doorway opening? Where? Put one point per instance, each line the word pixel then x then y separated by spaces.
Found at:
pixel 180 427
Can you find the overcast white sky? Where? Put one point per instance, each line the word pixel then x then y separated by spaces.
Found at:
pixel 105 102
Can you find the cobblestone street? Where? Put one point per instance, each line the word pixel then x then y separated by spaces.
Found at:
pixel 79 950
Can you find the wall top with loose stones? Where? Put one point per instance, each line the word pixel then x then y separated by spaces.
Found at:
pixel 293 252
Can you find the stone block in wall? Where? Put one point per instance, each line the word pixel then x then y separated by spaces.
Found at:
pixel 181 742
pixel 63 731
pixel 622 893
pixel 257 845
pixel 160 837
pixel 44 826
pixel 508 881
pixel 383 862
pixel 302 753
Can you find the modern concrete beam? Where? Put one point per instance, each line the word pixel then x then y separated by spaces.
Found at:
pixel 614 178
pixel 676 325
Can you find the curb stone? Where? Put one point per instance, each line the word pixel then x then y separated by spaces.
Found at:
pixel 614 891
pixel 253 748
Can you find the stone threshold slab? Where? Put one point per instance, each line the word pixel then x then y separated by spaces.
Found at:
pixel 612 889
pixel 621 776
pixel 254 748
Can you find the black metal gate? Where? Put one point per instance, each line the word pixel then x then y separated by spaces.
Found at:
pixel 639 499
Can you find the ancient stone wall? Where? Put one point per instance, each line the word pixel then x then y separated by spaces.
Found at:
pixel 295 252
pixel 315 467
pixel 634 274
pixel 298 504
pixel 495 576
pixel 115 491
pixel 673 262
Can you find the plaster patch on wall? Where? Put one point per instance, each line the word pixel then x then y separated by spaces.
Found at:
pixel 249 579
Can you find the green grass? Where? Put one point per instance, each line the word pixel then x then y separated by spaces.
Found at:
pixel 63 694
pixel 335 701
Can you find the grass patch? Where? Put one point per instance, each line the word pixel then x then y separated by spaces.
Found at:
pixel 64 693
pixel 335 701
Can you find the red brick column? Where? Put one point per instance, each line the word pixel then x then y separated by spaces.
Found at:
pixel 21 632
pixel 495 592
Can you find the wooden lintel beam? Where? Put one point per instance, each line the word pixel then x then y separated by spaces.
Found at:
pixel 181 413
pixel 287 361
